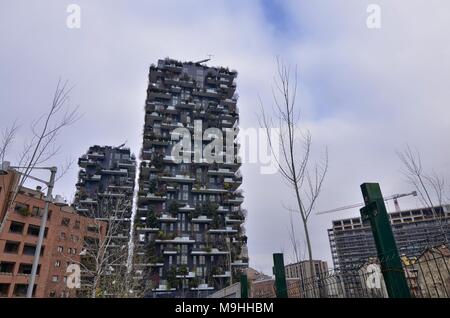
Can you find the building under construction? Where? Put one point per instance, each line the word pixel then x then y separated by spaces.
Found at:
pixel 352 243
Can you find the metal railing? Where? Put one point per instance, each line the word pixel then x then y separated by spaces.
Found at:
pixel 427 275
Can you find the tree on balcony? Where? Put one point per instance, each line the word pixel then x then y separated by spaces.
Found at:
pixel 173 207
pixel 151 220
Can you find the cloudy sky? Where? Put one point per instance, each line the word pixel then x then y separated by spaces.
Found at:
pixel 363 92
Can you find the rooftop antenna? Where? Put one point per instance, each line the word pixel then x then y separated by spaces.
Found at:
pixel 123 144
pixel 210 56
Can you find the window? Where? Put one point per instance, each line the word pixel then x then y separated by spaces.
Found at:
pixel 60 249
pixel 33 230
pixel 37 211
pixel 12 247
pixel 16 227
pixel 55 278
pixel 57 263
pixel 92 228
pixel 77 224
pixel 20 290
pixel 4 290
pixel 7 267
pixel 22 209
pixel 65 221
pixel 62 235
pixel 29 249
pixel 25 269
pixel 52 294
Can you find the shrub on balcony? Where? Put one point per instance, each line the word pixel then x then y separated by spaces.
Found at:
pixel 216 270
pixel 23 210
pixel 151 221
pixel 183 270
pixel 172 281
pixel 173 207
pixel 152 186
pixel 194 282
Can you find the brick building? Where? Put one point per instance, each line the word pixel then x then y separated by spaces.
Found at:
pixel 63 242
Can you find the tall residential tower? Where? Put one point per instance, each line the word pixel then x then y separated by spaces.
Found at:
pixel 189 221
pixel 105 191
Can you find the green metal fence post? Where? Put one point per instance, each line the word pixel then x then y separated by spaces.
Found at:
pixel 244 286
pixel 391 265
pixel 280 276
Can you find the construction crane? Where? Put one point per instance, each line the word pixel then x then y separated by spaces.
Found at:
pixel 394 197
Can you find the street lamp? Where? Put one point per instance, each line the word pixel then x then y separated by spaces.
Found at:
pixel 48 199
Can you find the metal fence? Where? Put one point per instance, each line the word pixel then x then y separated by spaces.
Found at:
pixel 427 275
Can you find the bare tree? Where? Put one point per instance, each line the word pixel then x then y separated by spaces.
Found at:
pixel 429 186
pixel 7 139
pixel 293 160
pixel 104 259
pixel 42 146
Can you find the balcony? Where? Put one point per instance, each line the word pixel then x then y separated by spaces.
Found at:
pixel 208 190
pixel 171 110
pixel 226 230
pixel 123 188
pixel 127 164
pixel 221 172
pixel 186 208
pixel 94 178
pixel 177 240
pixel 235 201
pixel 152 197
pixel 174 68
pixel 187 276
pixel 149 265
pixel 213 251
pixel 184 105
pixel 163 288
pixel 88 201
pixel 227 123
pixel 203 287
pixel 170 252
pixel 147 229
pixel 83 210
pixel 84 162
pixel 223 209
pixel 160 95
pixel 239 263
pixel 226 274
pixel 201 219
pixel 112 195
pixel 148 142
pixel 178 178
pixel 95 155
pixel 233 221
pixel 169 159
pixel 115 172
pixel 167 218
pixel 153 116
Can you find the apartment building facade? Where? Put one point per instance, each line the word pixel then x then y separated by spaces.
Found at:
pixel 65 234
pixel 352 243
pixel 105 191
pixel 302 269
pixel 189 221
